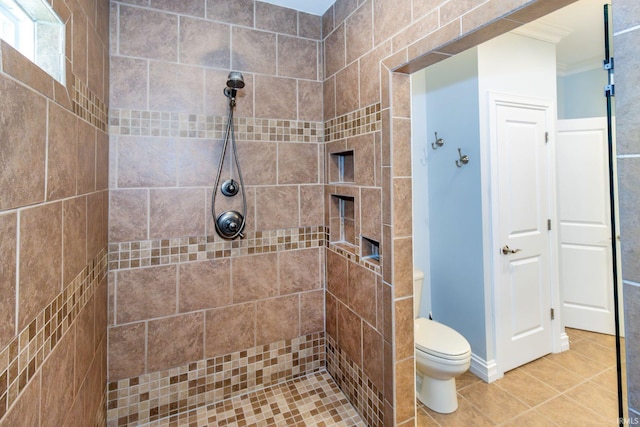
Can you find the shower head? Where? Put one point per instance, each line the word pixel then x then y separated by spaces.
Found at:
pixel 235 80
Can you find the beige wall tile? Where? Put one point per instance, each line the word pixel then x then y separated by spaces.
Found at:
pixel 204 285
pixel 629 199
pixel 417 30
pixel 312 312
pixel 97 213
pixel 185 7
pixel 128 215
pixel 402 206
pixel 159 40
pixel 80 27
pixel 57 382
pixel 328 23
pixel 276 98
pixel 338 276
pixel 8 231
pixel 84 342
pixel 127 351
pixel 403 267
pixel 264 154
pixel 101 313
pixel 102 161
pixel 174 87
pixel 297 163
pixel 297 57
pixel 364 155
pixel 277 207
pixel 362 292
pixel 238 12
pixel 145 293
pixel 26 410
pixel 146 162
pixel 230 329
pixel 197 161
pixel 389 375
pixel 403 328
pixel 254 277
pixel 129 78
pixel 350 333
pixel 175 341
pixel 62 153
pixel 387 312
pixel 309 26
pixel 370 215
pixel 335 52
pixel 631 298
pixel 96 58
pixel 311 205
pixel 40 259
pixel 344 8
pixel 217 104
pixel 299 270
pixel 359 31
pixel 389 17
pixel 276 18
pixel 331 316
pixel 277 319
pixel 74 237
pixel 176 212
pixel 18 66
pixel 370 74
pixel 373 349
pixel 309 97
pixel 346 81
pixel 329 98
pixel 253 51
pixel 86 158
pixel 627 95
pixel 405 391
pixel 205 43
pixel 401 147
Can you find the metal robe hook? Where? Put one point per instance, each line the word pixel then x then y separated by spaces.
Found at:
pixel 464 159
pixel 438 143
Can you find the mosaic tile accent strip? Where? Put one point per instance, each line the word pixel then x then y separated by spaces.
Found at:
pixel 350 252
pixel 172 251
pixel 364 120
pixel 88 106
pixel 156 123
pixel 361 392
pixel 153 396
pixel 23 356
pixel 313 400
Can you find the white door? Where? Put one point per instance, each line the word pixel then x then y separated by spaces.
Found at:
pixel 522 247
pixel 586 278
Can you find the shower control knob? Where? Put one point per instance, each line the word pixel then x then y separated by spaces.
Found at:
pixel 229 188
pixel 229 224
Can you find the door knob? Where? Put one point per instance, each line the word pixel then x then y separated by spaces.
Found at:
pixel 506 250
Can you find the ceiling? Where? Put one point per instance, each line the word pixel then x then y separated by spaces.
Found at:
pixel 314 7
pixel 577 29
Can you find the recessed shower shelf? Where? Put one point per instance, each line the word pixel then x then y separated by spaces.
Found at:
pixel 343 221
pixel 342 167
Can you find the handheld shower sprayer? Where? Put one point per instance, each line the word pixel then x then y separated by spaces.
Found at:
pixel 230 224
pixel 235 81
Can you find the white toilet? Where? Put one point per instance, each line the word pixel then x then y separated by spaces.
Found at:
pixel 442 354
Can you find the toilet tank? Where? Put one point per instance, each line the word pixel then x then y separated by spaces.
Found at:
pixel 418 279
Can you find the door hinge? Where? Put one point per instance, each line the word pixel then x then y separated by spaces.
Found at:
pixel 546 137
pixel 553 314
pixel 549 225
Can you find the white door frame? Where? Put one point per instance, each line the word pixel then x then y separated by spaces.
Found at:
pixel 492 260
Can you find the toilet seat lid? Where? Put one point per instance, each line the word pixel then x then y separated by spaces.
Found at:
pixel 439 340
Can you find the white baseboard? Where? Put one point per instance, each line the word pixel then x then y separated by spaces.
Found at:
pixel 485 370
pixel 564 342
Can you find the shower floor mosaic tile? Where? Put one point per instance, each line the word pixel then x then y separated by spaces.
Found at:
pixel 312 400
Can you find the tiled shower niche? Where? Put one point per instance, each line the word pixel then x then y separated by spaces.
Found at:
pixel 341 169
pixel 343 221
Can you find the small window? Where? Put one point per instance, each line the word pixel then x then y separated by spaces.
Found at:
pixel 34 29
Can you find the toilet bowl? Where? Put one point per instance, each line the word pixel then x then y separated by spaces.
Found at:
pixel 442 354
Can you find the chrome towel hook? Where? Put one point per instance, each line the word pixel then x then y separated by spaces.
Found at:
pixel 463 160
pixel 438 143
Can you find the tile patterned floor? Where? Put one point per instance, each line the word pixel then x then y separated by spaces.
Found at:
pixel 573 388
pixel 313 400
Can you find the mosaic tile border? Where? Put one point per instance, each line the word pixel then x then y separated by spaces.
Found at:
pixel 153 396
pixel 350 252
pixel 364 120
pixel 24 355
pixel 156 123
pixel 146 253
pixel 354 383
pixel 88 106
